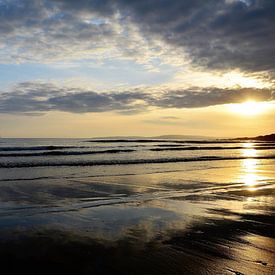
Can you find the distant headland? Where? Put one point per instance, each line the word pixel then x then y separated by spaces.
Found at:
pixel 270 137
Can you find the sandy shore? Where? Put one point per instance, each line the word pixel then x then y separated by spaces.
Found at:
pixel 244 246
pixel 157 223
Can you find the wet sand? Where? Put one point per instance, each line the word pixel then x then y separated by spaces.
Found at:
pixel 217 247
pixel 204 220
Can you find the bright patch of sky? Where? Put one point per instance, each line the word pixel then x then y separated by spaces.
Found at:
pixel 112 73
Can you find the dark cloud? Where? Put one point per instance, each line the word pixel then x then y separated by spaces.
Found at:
pixel 40 97
pixel 197 98
pixel 39 30
pixel 217 34
pixel 225 34
pixel 35 98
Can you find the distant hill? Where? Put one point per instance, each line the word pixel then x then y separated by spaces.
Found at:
pixel 270 137
pixel 155 137
pixel 181 137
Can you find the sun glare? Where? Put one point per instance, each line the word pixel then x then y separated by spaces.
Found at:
pixel 249 108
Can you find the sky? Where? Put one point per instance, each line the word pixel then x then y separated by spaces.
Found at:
pixel 92 68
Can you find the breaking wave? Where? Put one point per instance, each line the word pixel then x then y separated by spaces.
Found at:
pixel 123 161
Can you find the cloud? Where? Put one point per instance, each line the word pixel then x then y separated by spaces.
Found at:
pixel 39 31
pixel 216 34
pixel 40 97
pixel 88 31
pixel 204 97
pixel 221 35
pixel 33 98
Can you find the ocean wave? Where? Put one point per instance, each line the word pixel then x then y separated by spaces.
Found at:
pixel 39 148
pixel 176 141
pixel 123 162
pixel 127 140
pixel 67 153
pixel 53 150
pixel 159 141
pixel 193 148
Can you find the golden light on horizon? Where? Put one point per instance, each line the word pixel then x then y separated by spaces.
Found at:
pixel 250 108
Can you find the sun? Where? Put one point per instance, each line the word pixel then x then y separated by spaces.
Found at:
pixel 250 108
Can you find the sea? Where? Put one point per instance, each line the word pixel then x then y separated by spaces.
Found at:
pixel 137 206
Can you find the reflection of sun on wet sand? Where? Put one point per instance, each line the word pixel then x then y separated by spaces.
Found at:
pixel 250 177
pixel 250 174
pixel 202 217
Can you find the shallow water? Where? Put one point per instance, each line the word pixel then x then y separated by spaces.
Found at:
pixel 132 207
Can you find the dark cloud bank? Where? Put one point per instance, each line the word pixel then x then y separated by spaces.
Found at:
pixel 216 34
pixel 225 34
pixel 31 98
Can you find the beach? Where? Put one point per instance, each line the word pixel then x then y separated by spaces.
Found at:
pixel 88 206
